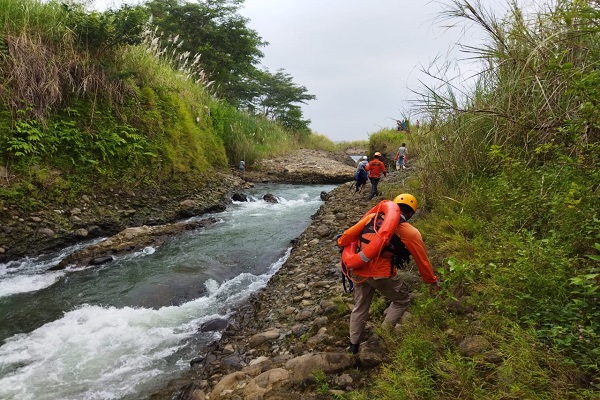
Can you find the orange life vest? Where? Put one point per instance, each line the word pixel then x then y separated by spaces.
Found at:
pixel 363 242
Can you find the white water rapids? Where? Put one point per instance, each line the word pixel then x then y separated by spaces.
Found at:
pixel 122 330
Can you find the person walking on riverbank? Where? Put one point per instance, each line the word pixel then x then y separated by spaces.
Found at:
pixel 400 158
pixel 361 176
pixel 379 274
pixel 376 167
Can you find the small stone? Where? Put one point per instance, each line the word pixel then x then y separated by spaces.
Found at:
pixel 81 232
pixel 46 232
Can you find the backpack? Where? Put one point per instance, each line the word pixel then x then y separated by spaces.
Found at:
pixel 361 175
pixel 372 235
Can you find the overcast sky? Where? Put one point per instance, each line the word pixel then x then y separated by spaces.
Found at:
pixel 359 58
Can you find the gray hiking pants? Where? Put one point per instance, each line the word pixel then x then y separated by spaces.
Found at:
pixel 394 289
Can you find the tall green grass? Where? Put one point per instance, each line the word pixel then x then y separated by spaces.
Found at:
pixel 47 19
pixel 118 112
pixel 508 175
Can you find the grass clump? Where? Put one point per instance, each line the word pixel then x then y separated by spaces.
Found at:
pixel 508 191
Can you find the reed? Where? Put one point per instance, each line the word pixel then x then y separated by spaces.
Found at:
pixel 535 93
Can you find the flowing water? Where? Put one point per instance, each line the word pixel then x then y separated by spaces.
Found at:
pixel 123 329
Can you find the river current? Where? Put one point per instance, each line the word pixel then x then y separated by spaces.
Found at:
pixel 124 329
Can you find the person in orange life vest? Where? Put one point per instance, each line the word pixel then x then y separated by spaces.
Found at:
pixel 376 167
pixel 380 273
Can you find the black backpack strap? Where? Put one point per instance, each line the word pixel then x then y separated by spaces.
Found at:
pixel 346 279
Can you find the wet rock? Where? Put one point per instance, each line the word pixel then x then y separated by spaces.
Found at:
pixel 130 240
pixel 196 361
pixel 214 325
pixel 239 197
pixel 101 260
pixel 270 198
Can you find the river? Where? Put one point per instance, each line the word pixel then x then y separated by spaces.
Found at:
pixel 124 329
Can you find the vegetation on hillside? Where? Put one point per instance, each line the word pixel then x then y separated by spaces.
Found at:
pixel 509 183
pixel 94 99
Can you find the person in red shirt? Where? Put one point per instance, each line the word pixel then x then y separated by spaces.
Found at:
pixel 376 167
pixel 380 273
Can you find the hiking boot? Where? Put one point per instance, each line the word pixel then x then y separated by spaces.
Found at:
pixel 353 348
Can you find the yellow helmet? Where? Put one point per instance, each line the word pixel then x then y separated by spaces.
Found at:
pixel 408 199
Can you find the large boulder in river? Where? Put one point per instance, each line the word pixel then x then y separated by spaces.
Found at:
pixel 239 197
pixel 304 166
pixel 270 198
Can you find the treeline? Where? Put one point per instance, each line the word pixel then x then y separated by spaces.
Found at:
pixel 140 93
pixel 510 186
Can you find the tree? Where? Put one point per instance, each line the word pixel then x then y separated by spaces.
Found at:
pixel 99 33
pixel 278 98
pixel 229 49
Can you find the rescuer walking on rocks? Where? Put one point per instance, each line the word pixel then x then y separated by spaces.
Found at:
pixel 384 234
pixel 376 167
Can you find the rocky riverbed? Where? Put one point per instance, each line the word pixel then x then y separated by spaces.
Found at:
pixel 289 340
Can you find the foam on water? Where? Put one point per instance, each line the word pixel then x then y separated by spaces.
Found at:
pixel 96 352
pixel 30 273
pixel 28 283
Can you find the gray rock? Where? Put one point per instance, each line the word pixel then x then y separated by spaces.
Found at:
pixel 263 337
pixel 303 366
pixel 46 232
pixel 82 232
pixel 372 352
pixel 472 346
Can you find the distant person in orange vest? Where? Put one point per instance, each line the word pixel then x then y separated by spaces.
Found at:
pixel 376 167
